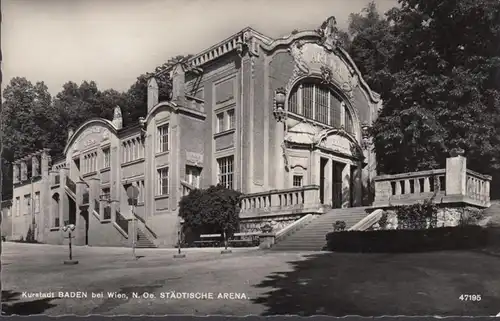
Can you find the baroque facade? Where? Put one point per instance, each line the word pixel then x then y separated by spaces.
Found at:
pixel 256 114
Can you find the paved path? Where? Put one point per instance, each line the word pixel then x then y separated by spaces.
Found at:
pixel 38 268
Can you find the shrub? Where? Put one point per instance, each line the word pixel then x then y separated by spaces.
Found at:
pixel 211 211
pixel 382 222
pixel 339 226
pixel 471 216
pixel 391 241
pixel 417 216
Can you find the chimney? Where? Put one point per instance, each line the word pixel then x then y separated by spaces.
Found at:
pixel 117 118
pixel 153 93
pixel 178 84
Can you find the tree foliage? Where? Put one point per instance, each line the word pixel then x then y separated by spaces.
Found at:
pixel 211 210
pixel 436 66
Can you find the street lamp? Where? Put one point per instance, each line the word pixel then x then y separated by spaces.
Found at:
pixel 69 228
pixel 179 255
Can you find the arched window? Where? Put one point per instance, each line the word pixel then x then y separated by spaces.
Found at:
pixel 319 102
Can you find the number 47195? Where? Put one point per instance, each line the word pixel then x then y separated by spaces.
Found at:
pixel 470 297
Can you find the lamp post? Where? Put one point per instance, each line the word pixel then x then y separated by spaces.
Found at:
pixel 70 228
pixel 179 255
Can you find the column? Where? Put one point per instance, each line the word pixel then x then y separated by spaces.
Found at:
pixel 358 186
pixel 63 197
pixel 314 169
pixel 328 181
pixel 279 157
pixel 456 175
pixel 346 186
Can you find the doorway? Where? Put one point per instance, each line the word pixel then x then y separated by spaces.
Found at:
pixel 337 192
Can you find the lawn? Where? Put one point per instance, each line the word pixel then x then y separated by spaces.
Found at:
pixel 334 284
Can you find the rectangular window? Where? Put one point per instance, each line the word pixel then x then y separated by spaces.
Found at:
pixel 26 204
pixel 193 176
pixel 230 115
pixel 106 154
pixel 162 138
pixel 18 206
pixel 297 180
pixel 37 202
pixel 221 126
pixel 162 181
pixel 225 168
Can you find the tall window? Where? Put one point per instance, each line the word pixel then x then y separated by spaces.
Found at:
pixel 226 171
pixel 162 138
pixel 37 202
pixel 106 155
pixel 225 121
pixel 18 206
pixel 193 176
pixel 162 188
pixel 26 204
pixel 132 149
pixel 297 180
pixel 318 102
pixel 90 163
pixel 231 119
pixel 221 126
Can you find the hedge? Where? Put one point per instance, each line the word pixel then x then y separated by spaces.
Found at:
pixel 434 239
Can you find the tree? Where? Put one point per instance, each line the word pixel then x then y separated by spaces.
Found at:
pixel 212 210
pixel 439 86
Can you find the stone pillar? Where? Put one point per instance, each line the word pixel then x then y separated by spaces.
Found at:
pixel 314 170
pixel 24 171
pixel 80 222
pixel 35 166
pixel 358 186
pixel 178 84
pixel 16 173
pixel 346 186
pixel 328 181
pixel 153 93
pixel 279 157
pixel 456 174
pixel 63 201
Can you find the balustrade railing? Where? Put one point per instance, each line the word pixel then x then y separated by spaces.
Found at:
pixel 477 186
pixel 121 221
pixel 71 185
pixel 276 200
pixel 413 185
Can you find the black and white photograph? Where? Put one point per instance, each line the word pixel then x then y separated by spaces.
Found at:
pixel 250 158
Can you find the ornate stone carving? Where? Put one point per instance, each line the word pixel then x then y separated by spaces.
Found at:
pixel 329 34
pixel 279 104
pixel 117 117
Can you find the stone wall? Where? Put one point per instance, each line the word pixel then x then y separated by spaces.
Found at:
pixel 446 217
pixel 278 223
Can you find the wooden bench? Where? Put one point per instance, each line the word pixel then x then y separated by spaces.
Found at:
pixel 208 240
pixel 245 239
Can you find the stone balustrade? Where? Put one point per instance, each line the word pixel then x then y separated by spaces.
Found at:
pixel 478 186
pixel 278 202
pixel 453 184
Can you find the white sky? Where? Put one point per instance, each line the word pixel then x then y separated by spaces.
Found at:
pixel 114 41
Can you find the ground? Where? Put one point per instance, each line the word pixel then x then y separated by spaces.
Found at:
pixel 272 282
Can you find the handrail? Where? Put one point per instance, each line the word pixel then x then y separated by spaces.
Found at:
pixel 367 221
pixel 281 233
pixel 71 185
pixel 145 225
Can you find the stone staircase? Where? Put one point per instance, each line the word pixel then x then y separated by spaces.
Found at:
pixel 142 241
pixel 312 237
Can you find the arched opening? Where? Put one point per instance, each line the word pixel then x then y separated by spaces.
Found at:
pixel 320 102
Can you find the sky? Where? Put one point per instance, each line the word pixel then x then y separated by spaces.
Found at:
pixel 114 41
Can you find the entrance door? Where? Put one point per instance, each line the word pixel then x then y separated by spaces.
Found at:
pixel 337 192
pixel 322 166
